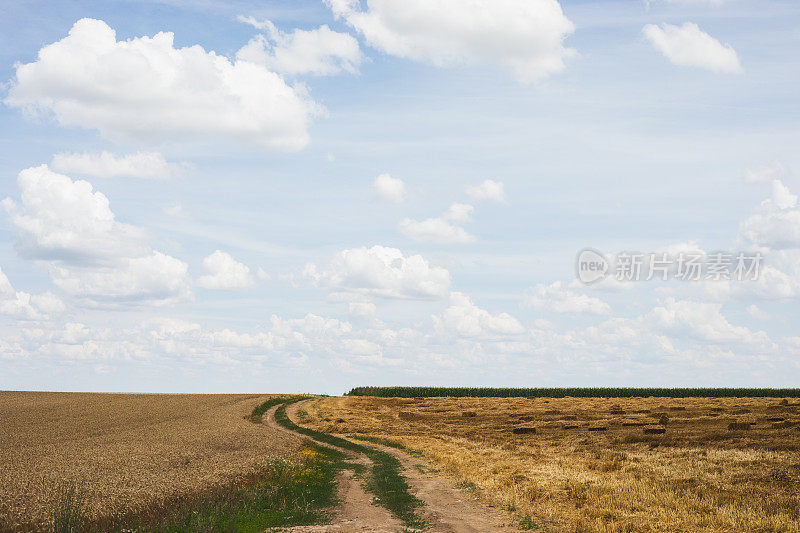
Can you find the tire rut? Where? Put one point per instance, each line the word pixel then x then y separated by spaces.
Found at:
pixel 355 511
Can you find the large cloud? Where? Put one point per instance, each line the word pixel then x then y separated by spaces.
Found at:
pixel 381 271
pixel 155 278
pixel 67 220
pixel 701 321
pixel 90 254
pixel 225 273
pixel 145 89
pixel 688 45
pixel 524 36
pixel 319 52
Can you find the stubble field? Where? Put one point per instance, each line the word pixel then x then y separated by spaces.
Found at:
pixel 128 453
pixel 593 464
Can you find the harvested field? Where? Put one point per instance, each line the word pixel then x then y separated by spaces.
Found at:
pixel 128 452
pixel 628 476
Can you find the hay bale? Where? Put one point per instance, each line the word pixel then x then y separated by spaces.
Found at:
pixel 469 414
pixel 598 428
pixel 523 430
pixel 570 426
pixel 775 419
pixel 739 426
pixel 654 431
pixel 526 418
pixel 677 408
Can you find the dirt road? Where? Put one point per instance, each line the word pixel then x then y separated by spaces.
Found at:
pixel 446 509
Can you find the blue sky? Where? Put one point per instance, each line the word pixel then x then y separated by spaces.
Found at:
pixel 240 245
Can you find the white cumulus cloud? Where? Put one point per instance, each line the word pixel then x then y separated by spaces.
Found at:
pixel 64 219
pixel 144 89
pixel 381 271
pixel 156 278
pixel 144 165
pixel 89 253
pixel 523 36
pixel 701 321
pixel 23 305
pixel 224 273
pixel 688 45
pixel 444 229
pixel 389 188
pixel 559 299
pixel 489 190
pixel 775 224
pixel 468 320
pixel 319 52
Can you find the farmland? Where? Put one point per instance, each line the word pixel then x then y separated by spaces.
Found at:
pixel 601 464
pixel 128 453
pixel 572 392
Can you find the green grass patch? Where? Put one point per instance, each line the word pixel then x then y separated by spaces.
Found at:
pixel 290 492
pixel 577 392
pixel 70 510
pixel 527 523
pixel 294 492
pixel 385 482
pixel 259 410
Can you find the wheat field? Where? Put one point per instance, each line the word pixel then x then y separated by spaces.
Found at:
pixel 128 453
pixel 605 465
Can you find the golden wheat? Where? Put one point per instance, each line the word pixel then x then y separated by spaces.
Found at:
pixel 128 452
pixel 592 464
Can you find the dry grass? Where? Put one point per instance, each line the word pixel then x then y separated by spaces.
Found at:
pixel 129 453
pixel 592 466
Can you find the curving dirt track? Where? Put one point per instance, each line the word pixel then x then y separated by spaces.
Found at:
pixel 446 508
pixel 355 511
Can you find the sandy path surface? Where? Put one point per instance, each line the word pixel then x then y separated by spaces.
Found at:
pixel 446 508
